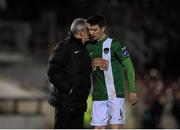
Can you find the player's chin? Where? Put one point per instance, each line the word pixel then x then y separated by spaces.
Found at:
pixel 94 38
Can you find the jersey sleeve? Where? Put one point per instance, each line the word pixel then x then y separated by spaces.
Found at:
pixel 120 50
pixel 130 72
pixel 123 56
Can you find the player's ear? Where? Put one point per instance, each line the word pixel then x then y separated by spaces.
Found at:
pixel 103 28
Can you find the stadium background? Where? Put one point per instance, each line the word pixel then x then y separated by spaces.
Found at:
pixel 29 29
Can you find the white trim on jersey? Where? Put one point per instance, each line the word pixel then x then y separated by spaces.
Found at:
pixel 109 80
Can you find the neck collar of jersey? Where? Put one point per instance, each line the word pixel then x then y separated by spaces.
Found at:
pixel 103 38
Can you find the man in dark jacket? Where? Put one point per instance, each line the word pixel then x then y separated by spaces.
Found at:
pixel 69 75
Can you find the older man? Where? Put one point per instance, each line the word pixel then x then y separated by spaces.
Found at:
pixel 69 73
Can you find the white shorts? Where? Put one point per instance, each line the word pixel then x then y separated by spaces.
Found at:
pixel 110 111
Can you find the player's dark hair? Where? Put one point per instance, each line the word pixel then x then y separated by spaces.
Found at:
pixel 96 20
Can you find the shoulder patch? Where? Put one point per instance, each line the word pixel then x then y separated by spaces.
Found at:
pixel 124 52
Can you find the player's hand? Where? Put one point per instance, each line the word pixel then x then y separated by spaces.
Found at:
pixel 100 63
pixel 133 99
pixel 104 67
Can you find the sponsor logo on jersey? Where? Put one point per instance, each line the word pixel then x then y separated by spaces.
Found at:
pixel 106 50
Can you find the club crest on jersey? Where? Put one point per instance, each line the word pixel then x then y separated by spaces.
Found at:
pixel 125 52
pixel 106 50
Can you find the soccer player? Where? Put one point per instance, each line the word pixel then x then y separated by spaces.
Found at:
pixel 110 59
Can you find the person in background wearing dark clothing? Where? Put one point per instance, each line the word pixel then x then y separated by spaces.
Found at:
pixel 175 109
pixel 154 100
pixel 69 71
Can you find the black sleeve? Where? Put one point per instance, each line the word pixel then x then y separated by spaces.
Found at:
pixel 56 66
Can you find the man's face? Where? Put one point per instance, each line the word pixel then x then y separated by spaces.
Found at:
pixel 96 32
pixel 84 35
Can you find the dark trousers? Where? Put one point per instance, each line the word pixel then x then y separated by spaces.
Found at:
pixel 68 120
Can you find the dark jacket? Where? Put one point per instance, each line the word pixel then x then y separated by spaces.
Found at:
pixel 69 74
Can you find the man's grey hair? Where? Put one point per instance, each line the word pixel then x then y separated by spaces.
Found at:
pixel 77 25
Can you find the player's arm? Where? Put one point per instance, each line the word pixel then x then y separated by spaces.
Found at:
pixel 131 80
pixel 125 60
pixel 130 73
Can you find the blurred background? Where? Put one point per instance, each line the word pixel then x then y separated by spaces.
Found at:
pixel 29 29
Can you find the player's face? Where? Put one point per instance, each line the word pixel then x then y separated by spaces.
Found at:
pixel 96 32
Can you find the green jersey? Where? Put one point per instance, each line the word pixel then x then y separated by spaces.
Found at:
pixel 110 59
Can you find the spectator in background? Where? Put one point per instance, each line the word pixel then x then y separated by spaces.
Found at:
pixel 154 100
pixel 176 102
pixel 69 73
